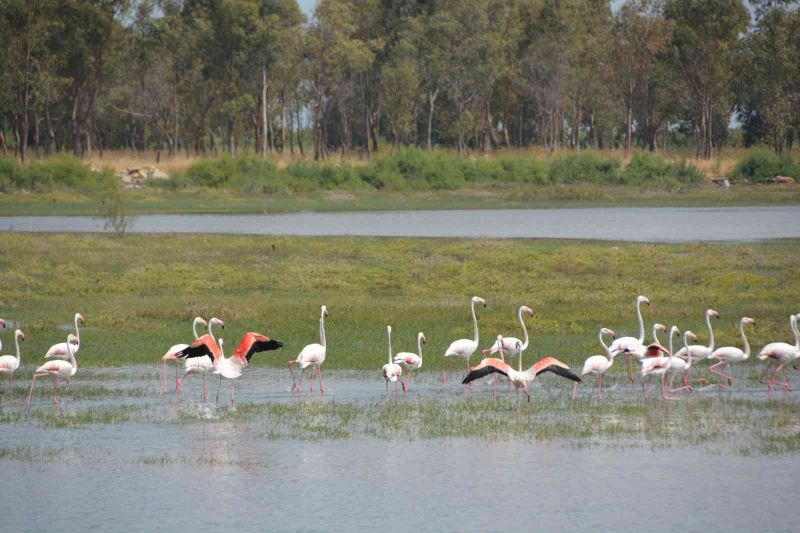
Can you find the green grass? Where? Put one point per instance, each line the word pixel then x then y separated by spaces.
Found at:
pixel 140 293
pixel 209 201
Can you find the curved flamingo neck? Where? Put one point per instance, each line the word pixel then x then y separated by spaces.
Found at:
pixel 609 355
pixel 197 320
pixel 77 331
pixel 524 331
pixel 655 336
pixel 419 345
pixel 641 320
pixel 710 333
pixel 322 339
pixel 72 358
pixel 793 325
pixel 16 341
pixel 669 341
pixel 688 351
pixel 744 340
pixel 474 321
pixel 389 335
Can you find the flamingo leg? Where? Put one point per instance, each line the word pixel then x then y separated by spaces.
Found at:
pixel 720 373
pixel 765 372
pixel 528 394
pixel 233 393
pixel 33 382
pixel 682 387
pixel 321 384
pixel 599 386
pixel 663 392
pixel 56 401
pixel 772 381
pixel 300 383
pixel 629 366
pixel 644 387
pixel 443 380
pixel 11 383
pixel 176 376
pixel 395 392
pixel 216 400
pixel 294 381
pixel 164 385
pixel 205 388
pixel 387 392
pixel 574 389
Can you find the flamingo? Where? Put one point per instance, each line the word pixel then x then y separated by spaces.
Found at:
pixel 230 368
pixel 678 365
pixel 312 355
pixel 509 344
pixel 782 352
pixel 391 371
pixel 640 352
pixel 411 361
pixel 59 351
pixel 2 325
pixel 731 354
pixel 9 363
pixel 520 378
pixel 598 364
pixel 698 351
pixel 58 368
pixel 654 364
pixel 200 365
pixel 628 345
pixel 170 355
pixel 464 348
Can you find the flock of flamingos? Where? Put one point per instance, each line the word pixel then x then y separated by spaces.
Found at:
pixel 206 355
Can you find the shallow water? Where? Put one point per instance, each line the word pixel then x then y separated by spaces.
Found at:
pixel 144 462
pixel 668 224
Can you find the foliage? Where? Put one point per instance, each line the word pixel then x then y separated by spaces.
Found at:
pixel 762 165
pixel 61 172
pixel 585 167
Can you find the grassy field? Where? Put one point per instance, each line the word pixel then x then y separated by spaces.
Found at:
pixel 216 201
pixel 139 293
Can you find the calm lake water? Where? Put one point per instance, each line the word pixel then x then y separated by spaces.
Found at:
pixel 189 468
pixel 669 224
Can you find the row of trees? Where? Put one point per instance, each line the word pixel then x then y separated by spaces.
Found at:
pixel 212 75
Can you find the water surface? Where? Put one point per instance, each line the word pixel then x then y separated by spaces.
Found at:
pixel 668 224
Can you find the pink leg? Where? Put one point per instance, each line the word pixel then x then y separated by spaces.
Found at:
pixel 311 382
pixel 528 394
pixel 164 386
pixel 720 373
pixel 321 384
pixel 300 383
pixel 663 392
pixel 387 391
pixel 765 372
pixel 33 382
pixel 600 386
pixel 395 392
pixel 574 389
pixel 443 380
pixel 682 387
pixel 219 385
pixel 294 381
pixel 176 375
pixel 644 387
pixel 629 366
pixel 55 390
pixel 233 393
pixel 772 381
pixel 205 388
pixel 11 382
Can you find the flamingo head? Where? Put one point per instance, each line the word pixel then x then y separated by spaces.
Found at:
pixel 675 331
pixel 19 334
pixel 660 327
pixel 526 309
pixel 609 332
pixel 200 320
pixel 748 320
pixel 711 312
pixel 79 318
pixel 324 310
pixel 478 300
pixel 214 321
pixel 2 323
pixel 643 300
pixel 72 339
pixel 422 337
pixel 690 336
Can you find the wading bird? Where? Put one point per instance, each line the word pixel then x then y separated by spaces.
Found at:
pixel 2 325
pixel 59 351
pixel 312 355
pixel 411 361
pixel 57 368
pixel 630 345
pixel 728 355
pixel 598 365
pixel 391 371
pixel 464 348
pixel 511 345
pixel 655 364
pixel 698 351
pixel 231 367
pixel 520 378
pixel 783 353
pixel 9 363
pixel 170 355
pixel 678 365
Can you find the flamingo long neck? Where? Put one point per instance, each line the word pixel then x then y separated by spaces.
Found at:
pixel 72 358
pixel 710 333
pixel 474 321
pixel 793 325
pixel 744 340
pixel 655 337
pixel 641 320
pixel 322 340
pixel 77 331
pixel 609 355
pixel 688 351
pixel 520 359
pixel 524 331
pixel 16 341
pixel 419 345
pixel 669 342
pixel 196 321
pixel 389 334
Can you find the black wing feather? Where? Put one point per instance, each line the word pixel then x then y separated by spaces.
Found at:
pixel 194 351
pixel 481 372
pixel 561 371
pixel 263 346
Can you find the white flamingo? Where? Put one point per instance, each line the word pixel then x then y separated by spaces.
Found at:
pixel 9 363
pixel 698 351
pixel 782 352
pixel 628 346
pixel 655 364
pixel 59 351
pixel 174 349
pixel 678 365
pixel 312 355
pixel 200 365
pixel 598 365
pixel 511 345
pixel 391 371
pixel 464 348
pixel 728 355
pixel 411 361
pixel 57 368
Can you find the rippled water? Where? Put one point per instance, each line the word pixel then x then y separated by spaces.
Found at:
pixel 669 224
pixel 194 467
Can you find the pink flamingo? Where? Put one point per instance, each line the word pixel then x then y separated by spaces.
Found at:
pixel 411 361
pixel 174 349
pixel 783 353
pixel 731 354
pixel 57 368
pixel 9 363
pixel 598 364
pixel 391 371
pixel 630 345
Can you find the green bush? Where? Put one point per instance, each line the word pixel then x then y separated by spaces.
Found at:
pixel 9 174
pixel 587 167
pixel 55 173
pixel 762 165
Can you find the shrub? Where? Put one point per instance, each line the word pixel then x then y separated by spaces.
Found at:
pixel 9 174
pixel 762 165
pixel 587 167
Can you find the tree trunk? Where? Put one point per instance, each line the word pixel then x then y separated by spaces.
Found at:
pixel 432 95
pixel 283 122
pixel 263 111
